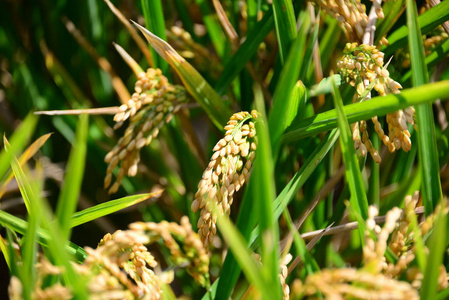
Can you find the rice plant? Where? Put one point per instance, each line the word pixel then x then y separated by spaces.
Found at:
pixel 224 149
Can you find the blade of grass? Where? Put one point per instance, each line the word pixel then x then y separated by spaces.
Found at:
pixel 436 56
pixel 197 86
pixel 298 180
pixel 231 34
pixel 282 102
pixel 310 264
pixel 265 192
pixel 247 220
pixel 57 245
pixel 71 187
pixel 392 11
pixel 237 245
pixel 29 251
pixel 329 41
pixel 437 247
pixel 213 27
pixel 19 139
pixel 12 254
pixel 133 32
pixel 285 24
pixel 4 250
pixel 427 21
pixel 374 181
pixel 245 52
pixel 325 85
pixel 377 106
pixel 358 200
pixel 420 251
pixel 29 152
pixel 308 54
pixel 427 147
pixel 20 226
pixel 108 208
pixel 154 19
pixel 297 101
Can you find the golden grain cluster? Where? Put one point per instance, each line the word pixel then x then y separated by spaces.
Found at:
pixel 152 105
pixel 362 66
pixel 186 248
pixel 348 283
pixel 121 267
pixel 226 173
pixel 397 235
pixel 351 16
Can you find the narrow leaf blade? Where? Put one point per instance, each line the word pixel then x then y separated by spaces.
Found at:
pixel 109 207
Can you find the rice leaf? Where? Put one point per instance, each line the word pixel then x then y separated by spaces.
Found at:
pixel 71 187
pixel 213 27
pixel 282 102
pixel 4 250
pixel 437 246
pixel 154 19
pixel 56 244
pixel 197 86
pixel 242 254
pixel 18 141
pixel 264 190
pixel 108 208
pixel 310 263
pixel 377 106
pixel 325 85
pixel 428 21
pixel 246 220
pixel 427 147
pixel 245 52
pixel 20 226
pixel 358 199
pixel 285 24
pixel 29 152
pixel 298 180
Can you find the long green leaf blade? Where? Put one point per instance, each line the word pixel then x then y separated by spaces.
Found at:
pixel 71 186
pixel 378 106
pixel 284 18
pixel 107 208
pixel 358 199
pixel 154 18
pixel 18 141
pixel 247 220
pixel 427 21
pixel 29 247
pixel 56 243
pixel 264 190
pixel 427 147
pixel 282 105
pixel 437 247
pixel 20 226
pixel 245 52
pixel 298 180
pixel 197 86
pixel 242 254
